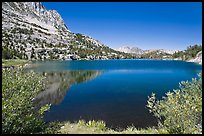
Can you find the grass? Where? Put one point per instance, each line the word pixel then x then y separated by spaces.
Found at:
pixel 13 62
pixel 99 127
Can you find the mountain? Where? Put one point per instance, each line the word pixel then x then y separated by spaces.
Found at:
pixel 132 50
pixel 32 12
pixel 161 51
pixel 147 54
pixel 168 51
pixel 30 31
pixel 156 54
pixel 135 50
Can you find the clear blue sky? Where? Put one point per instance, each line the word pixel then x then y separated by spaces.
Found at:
pixel 147 25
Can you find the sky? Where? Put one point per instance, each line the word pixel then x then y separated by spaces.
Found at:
pixel 146 25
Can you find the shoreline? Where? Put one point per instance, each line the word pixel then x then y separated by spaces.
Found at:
pixel 15 63
pixel 30 64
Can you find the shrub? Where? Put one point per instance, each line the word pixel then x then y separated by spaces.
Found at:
pixel 180 111
pixel 19 89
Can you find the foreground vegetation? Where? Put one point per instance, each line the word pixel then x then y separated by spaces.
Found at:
pixel 18 91
pixel 99 127
pixel 179 112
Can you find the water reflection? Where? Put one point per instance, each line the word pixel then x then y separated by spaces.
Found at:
pixel 58 84
pixel 118 96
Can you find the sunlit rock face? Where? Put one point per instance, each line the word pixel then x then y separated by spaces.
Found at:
pixel 30 11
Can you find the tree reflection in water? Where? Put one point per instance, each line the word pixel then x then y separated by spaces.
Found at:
pixel 58 84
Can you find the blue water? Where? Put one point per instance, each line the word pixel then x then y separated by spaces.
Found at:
pixel 115 91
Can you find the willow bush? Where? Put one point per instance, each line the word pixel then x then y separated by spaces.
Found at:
pixel 181 110
pixel 19 89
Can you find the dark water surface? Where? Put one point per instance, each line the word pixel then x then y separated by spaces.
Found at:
pixel 114 91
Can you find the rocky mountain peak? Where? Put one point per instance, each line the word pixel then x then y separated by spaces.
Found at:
pixel 34 10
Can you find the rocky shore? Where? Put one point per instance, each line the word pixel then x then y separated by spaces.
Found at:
pixel 197 59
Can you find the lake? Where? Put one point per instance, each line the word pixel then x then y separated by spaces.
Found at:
pixel 115 91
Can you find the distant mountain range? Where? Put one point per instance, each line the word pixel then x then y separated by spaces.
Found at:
pixel 133 50
pixel 136 50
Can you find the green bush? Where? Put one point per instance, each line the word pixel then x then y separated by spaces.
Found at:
pixel 180 111
pixel 19 89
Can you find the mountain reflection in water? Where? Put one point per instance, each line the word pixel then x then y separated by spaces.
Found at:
pixel 58 84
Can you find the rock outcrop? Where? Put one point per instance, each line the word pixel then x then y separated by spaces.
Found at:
pixel 197 59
